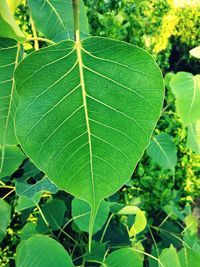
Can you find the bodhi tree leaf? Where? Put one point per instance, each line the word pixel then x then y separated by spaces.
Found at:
pixel 169 258
pixel 55 18
pixel 195 52
pixel 4 217
pixel 44 252
pixel 186 89
pixel 9 27
pixel 86 113
pixel 13 4
pixel 24 202
pixel 193 140
pixel 163 151
pixel 54 212
pixel 9 54
pixel 188 258
pixel 13 158
pixel 124 257
pixel 81 215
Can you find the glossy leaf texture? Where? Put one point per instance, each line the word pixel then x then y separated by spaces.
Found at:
pixel 55 19
pixel 124 257
pixel 163 151
pixel 5 211
pixel 42 251
pixel 193 140
pixel 9 27
pixel 9 54
pixel 86 113
pixel 186 89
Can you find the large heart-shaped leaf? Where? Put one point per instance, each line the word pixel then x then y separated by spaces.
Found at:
pixel 9 27
pixel 55 18
pixel 186 88
pixel 9 54
pixel 87 111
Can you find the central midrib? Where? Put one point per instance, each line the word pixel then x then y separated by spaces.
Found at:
pixel 80 62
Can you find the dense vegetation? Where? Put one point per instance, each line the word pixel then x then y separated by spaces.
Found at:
pixel 153 220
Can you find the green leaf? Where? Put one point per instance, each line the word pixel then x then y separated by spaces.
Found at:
pixel 191 223
pixel 54 213
pixel 163 151
pixel 87 125
pixel 24 202
pixel 81 215
pixel 186 89
pixel 9 54
pixel 13 4
pixel 28 231
pixel 195 52
pixel 124 257
pixel 4 217
pixel 193 140
pixel 13 158
pixel 188 258
pixel 55 19
pixel 42 251
pixel 9 27
pixel 30 190
pixel 169 258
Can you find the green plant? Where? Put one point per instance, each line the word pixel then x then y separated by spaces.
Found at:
pixel 96 98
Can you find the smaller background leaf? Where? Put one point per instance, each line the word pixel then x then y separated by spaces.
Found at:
pixel 4 217
pixel 193 140
pixel 195 52
pixel 163 151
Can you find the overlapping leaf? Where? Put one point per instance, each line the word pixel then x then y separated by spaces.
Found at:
pixel 9 27
pixel 163 151
pixel 5 210
pixel 44 252
pixel 86 114
pixel 55 18
pixel 186 88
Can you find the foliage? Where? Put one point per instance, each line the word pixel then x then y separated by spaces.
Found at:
pixel 153 220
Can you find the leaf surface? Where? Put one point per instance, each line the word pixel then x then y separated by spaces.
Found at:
pixel 9 27
pixel 193 140
pixel 55 18
pixel 124 257
pixel 4 217
pixel 86 113
pixel 195 52
pixel 9 53
pixel 13 158
pixel 44 252
pixel 163 151
pixel 186 89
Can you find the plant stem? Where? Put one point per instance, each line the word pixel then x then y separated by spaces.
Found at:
pixel 76 9
pixel 39 39
pixel 36 43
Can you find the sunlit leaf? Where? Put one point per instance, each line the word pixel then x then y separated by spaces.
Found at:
pixel 55 18
pixel 169 258
pixel 13 4
pixel 163 151
pixel 193 140
pixel 188 258
pixel 9 27
pixel 195 52
pixel 86 113
pixel 186 89
pixel 42 251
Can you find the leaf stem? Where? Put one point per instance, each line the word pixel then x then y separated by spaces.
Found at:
pixel 76 10
pixel 36 43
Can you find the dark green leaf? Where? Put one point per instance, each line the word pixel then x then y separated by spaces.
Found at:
pixel 4 217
